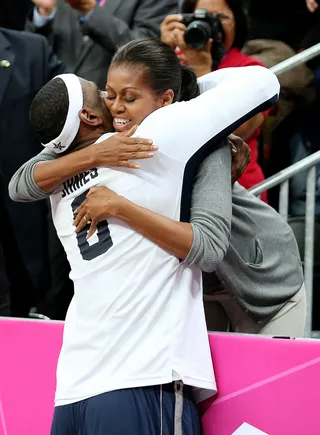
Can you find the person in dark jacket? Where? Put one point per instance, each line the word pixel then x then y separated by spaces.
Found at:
pixel 26 64
pixel 85 33
pixel 13 13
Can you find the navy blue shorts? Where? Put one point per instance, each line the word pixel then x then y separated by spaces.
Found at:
pixel 158 410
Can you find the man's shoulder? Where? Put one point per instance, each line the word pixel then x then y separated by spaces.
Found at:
pixel 23 39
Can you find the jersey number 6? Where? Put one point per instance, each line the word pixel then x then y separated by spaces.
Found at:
pixel 104 243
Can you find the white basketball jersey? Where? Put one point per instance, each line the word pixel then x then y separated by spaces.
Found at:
pixel 137 315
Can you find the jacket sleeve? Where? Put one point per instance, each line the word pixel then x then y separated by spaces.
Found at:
pixel 111 32
pixel 211 211
pixel 45 30
pixel 229 97
pixel 22 186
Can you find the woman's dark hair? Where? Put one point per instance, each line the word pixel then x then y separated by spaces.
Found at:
pixel 240 16
pixel 161 67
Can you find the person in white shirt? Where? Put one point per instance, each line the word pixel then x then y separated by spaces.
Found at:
pixel 135 337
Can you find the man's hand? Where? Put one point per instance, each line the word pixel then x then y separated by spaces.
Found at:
pixel 167 28
pixel 312 5
pixel 83 6
pixel 101 203
pixel 241 157
pixel 199 60
pixel 120 148
pixel 45 7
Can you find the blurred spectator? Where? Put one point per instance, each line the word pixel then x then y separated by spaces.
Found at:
pixel 312 5
pixel 304 141
pixel 312 37
pixel 280 20
pixel 26 64
pixel 280 29
pixel 297 85
pixel 85 33
pixel 220 54
pixel 13 13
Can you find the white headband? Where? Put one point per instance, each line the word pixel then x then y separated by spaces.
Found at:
pixel 71 126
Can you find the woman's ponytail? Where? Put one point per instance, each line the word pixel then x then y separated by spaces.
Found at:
pixel 189 84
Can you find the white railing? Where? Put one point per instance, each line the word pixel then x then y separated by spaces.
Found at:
pixel 282 179
pixel 296 60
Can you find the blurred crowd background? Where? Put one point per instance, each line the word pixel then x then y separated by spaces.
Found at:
pixel 42 38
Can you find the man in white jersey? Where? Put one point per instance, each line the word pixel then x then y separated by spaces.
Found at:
pixel 136 321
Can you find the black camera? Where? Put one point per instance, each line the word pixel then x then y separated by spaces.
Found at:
pixel 201 26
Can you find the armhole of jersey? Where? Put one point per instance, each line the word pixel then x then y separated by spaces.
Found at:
pixel 208 148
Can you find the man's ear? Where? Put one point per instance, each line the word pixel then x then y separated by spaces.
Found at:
pixel 167 97
pixel 90 117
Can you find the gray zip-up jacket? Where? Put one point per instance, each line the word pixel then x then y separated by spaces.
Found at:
pixel 251 249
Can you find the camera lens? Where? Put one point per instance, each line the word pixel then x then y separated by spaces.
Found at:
pixel 197 34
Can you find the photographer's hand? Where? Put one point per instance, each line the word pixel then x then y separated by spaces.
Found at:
pixel 167 28
pixel 199 60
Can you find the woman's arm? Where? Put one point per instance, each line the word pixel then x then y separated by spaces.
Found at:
pixel 170 235
pixel 102 203
pixel 204 241
pixel 44 173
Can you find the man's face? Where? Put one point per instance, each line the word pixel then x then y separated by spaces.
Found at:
pixel 221 8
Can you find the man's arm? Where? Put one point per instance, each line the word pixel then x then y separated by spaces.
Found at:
pixel 203 242
pixel 44 173
pixel 22 186
pixel 229 98
pixel 211 213
pixel 110 31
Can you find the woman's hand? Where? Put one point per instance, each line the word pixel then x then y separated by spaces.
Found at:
pixel 167 28
pixel 118 149
pixel 199 60
pixel 100 204
pixel 312 5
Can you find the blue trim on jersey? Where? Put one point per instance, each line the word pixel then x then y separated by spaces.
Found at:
pixel 208 148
